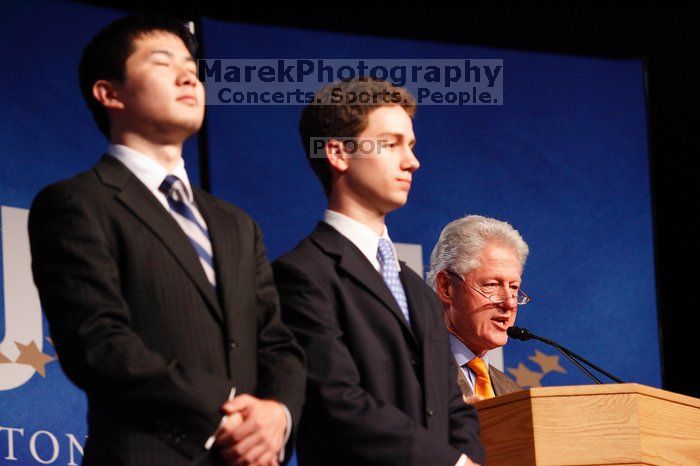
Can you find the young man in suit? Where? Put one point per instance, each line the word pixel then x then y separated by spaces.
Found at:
pixel 476 268
pixel 159 296
pixel 381 386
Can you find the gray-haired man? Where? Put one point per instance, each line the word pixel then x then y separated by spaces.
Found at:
pixel 476 269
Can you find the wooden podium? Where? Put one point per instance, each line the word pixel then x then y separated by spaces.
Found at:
pixel 621 424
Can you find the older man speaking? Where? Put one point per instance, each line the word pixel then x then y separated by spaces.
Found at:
pixel 476 269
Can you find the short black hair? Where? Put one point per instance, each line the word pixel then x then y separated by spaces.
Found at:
pixel 105 55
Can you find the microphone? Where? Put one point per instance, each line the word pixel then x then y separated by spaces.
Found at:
pixel 518 333
pixel 524 334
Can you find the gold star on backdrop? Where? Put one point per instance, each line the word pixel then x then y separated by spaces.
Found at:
pixel 30 355
pixel 525 377
pixel 546 362
pixel 4 359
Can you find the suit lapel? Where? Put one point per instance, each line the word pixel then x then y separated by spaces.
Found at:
pixel 141 202
pixel 416 306
pixel 494 381
pixel 355 264
pixel 463 383
pixel 501 383
pixel 225 245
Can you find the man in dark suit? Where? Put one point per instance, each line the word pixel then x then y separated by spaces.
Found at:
pixel 159 296
pixel 381 386
pixel 476 268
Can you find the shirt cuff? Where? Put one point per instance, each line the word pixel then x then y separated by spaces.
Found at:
pixel 287 431
pixel 210 441
pixel 462 460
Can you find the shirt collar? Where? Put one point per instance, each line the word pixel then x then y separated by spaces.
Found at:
pixel 359 234
pixel 463 354
pixel 148 170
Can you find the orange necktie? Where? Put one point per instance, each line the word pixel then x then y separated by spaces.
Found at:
pixel 482 384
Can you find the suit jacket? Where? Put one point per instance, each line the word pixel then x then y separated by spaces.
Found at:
pixel 379 391
pixel 501 383
pixel 137 325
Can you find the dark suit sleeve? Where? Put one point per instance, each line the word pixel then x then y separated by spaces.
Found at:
pixel 281 364
pixel 79 285
pixel 371 431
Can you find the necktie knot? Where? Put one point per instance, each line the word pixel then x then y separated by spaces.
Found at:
pixel 172 187
pixel 482 384
pixel 385 253
pixel 478 366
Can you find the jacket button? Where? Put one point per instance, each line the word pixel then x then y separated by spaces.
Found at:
pixel 430 412
pixel 232 344
pixel 413 362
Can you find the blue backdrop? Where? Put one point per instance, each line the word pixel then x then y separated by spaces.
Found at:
pixel 564 159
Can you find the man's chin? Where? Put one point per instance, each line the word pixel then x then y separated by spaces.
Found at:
pixel 500 341
pixel 399 201
pixel 190 127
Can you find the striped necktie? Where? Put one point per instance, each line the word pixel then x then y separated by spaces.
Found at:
pixel 191 222
pixel 390 274
pixel 482 384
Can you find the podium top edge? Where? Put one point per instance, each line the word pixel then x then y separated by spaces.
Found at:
pixel 581 390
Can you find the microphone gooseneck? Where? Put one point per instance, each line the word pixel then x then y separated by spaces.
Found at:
pixel 524 334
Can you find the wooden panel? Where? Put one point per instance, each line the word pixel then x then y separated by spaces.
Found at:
pixel 507 434
pixel 616 424
pixel 587 430
pixel 670 432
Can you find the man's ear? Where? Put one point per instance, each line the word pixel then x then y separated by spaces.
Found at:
pixel 336 155
pixel 106 93
pixel 443 287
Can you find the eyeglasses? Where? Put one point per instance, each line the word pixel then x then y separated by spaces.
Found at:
pixel 520 297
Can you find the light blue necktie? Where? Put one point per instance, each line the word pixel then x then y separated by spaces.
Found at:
pixel 191 222
pixel 390 274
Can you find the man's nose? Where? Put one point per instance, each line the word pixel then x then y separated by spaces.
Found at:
pixel 411 162
pixel 186 77
pixel 510 304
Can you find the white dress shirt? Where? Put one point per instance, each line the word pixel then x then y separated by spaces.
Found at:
pixel 150 172
pixel 359 234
